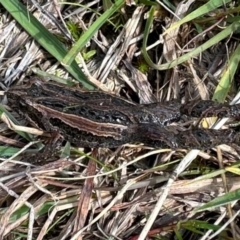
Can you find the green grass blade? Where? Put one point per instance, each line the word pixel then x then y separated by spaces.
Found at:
pixel 219 201
pixel 91 31
pixel 214 40
pixel 206 8
pixel 225 83
pixel 6 151
pixel 44 38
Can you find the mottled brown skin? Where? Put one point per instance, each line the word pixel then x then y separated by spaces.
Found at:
pixel 98 119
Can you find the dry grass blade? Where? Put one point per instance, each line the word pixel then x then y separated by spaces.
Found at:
pixel 15 127
pixel 85 197
pixel 44 37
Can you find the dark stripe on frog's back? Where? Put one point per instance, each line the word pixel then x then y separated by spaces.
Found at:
pixel 98 113
pixel 85 139
pixel 102 113
pixel 78 95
